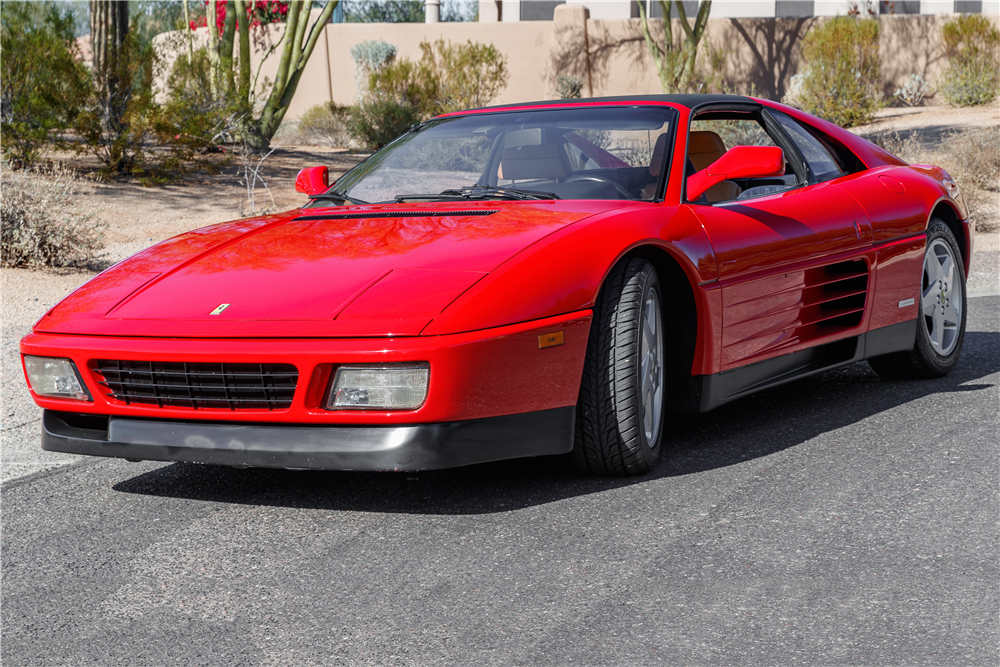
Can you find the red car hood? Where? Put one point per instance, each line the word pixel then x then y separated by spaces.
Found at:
pixel 348 271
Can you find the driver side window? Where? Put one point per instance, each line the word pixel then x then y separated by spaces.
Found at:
pixel 714 133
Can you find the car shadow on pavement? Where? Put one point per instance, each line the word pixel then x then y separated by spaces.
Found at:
pixel 753 427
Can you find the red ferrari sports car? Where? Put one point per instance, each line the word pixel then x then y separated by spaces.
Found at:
pixel 545 278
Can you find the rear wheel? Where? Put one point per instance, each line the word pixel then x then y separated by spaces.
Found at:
pixel 620 412
pixel 941 323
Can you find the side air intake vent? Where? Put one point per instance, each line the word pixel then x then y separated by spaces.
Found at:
pixel 397 214
pixel 782 311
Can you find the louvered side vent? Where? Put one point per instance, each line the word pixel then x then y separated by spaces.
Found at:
pixel 839 296
pixel 768 315
pixel 200 386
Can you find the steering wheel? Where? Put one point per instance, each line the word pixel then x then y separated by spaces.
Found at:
pixel 603 180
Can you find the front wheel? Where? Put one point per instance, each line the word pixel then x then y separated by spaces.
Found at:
pixel 620 411
pixel 941 322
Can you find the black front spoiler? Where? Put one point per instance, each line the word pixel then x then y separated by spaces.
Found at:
pixel 404 448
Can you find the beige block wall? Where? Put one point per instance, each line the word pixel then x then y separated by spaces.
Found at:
pixel 610 56
pixel 525 44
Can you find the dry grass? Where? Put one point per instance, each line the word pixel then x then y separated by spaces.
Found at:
pixel 38 224
pixel 321 125
pixel 972 158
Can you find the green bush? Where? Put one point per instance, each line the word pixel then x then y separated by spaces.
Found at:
pixel 376 123
pixel 400 92
pixel 973 75
pixel 841 80
pixel 467 75
pixel 37 225
pixel 120 117
pixel 448 77
pixel 192 120
pixel 410 83
pixel 41 80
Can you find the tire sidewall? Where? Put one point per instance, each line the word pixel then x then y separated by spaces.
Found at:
pixel 650 450
pixel 939 363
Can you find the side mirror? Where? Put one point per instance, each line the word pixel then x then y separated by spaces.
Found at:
pixel 312 180
pixel 738 162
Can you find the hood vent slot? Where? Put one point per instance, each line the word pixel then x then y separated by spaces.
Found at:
pixel 397 214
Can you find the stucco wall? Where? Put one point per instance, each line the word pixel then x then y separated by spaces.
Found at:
pixel 609 55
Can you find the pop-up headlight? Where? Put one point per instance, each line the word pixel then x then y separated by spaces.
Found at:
pixel 55 378
pixel 387 387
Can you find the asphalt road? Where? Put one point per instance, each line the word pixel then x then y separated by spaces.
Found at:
pixel 838 520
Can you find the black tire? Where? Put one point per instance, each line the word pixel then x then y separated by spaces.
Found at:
pixel 610 434
pixel 925 360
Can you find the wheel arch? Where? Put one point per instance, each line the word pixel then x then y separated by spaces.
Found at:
pixel 945 211
pixel 677 296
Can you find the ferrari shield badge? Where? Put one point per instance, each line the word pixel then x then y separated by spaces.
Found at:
pixel 221 307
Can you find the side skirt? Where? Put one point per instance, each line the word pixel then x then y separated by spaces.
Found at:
pixel 711 391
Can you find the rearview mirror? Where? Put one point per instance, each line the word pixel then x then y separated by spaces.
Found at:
pixel 738 162
pixel 312 180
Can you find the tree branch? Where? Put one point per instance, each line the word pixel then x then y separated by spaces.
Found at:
pixel 654 49
pixel 243 25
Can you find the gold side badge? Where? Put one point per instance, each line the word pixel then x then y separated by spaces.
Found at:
pixel 221 307
pixel 550 340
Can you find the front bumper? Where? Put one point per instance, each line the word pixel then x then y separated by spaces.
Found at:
pixel 473 375
pixel 345 447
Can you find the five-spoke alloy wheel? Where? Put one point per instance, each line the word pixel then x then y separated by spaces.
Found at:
pixel 941 322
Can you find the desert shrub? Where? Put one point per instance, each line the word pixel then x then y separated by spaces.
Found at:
pixel 841 77
pixel 400 92
pixel 406 82
pixel 912 92
pixel 448 77
pixel 905 147
pixel 569 87
pixel 973 76
pixel 119 118
pixel 975 158
pixel 38 226
pixel 327 122
pixel 369 57
pixel 468 75
pixel 376 123
pixel 192 120
pixel 40 79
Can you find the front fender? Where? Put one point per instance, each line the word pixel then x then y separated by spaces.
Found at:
pixel 564 272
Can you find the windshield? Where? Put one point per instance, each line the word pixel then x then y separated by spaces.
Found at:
pixel 589 153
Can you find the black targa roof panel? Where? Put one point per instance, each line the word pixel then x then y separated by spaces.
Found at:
pixel 689 101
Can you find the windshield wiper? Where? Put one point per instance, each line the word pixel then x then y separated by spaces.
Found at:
pixel 482 191
pixel 336 195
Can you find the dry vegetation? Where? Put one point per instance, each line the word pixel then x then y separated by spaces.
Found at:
pixel 972 157
pixel 40 224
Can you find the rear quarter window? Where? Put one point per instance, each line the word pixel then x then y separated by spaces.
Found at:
pixel 823 166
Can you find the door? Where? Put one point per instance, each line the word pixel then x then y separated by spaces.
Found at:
pixel 793 253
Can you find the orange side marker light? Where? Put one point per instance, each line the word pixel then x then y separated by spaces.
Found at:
pixel 550 340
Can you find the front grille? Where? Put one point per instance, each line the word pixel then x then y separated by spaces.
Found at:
pixel 200 386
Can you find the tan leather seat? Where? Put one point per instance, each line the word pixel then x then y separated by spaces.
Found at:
pixel 704 148
pixel 548 160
